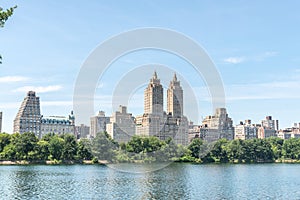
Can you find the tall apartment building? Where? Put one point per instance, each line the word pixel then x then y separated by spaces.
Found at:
pixel 268 128
pixel 217 126
pixel 245 131
pixel 270 123
pixel 28 118
pixel 0 122
pixel 98 123
pixel 175 116
pixel 175 98
pixel 121 126
pixel 265 132
pixel 150 123
pixel 154 121
pixel 154 97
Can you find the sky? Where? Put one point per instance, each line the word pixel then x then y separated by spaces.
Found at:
pixel 253 44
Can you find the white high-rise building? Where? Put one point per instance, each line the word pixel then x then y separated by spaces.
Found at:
pixel 98 123
pixel 270 123
pixel 245 130
pixel 217 126
pixel 122 126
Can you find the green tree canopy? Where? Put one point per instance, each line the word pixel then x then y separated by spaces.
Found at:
pixel 4 140
pixel 56 145
pixel 103 147
pixel 24 143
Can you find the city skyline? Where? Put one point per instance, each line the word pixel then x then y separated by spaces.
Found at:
pixel 165 106
pixel 254 49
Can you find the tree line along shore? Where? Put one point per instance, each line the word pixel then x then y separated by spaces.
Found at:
pixel 65 149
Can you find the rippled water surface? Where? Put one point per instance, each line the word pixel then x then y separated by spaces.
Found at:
pixel 176 181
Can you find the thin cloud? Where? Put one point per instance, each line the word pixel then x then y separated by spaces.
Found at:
pixel 257 58
pixel 13 79
pixel 265 55
pixel 39 89
pixel 234 60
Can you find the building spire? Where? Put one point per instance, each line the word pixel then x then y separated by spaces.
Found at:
pixel 155 75
pixel 175 78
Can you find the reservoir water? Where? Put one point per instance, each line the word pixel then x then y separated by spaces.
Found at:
pixel 176 181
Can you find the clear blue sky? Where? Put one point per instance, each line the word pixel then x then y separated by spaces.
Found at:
pixel 254 45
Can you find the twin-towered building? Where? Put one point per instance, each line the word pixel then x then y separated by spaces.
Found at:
pixel 156 122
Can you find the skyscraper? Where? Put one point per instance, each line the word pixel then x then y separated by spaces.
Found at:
pixel 154 97
pixel 154 121
pixel 28 118
pixel 175 98
pixel 150 123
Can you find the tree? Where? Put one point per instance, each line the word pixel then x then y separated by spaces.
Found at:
pixel 25 143
pixel 218 152
pixel 8 153
pixel 103 147
pixel 276 144
pixel 195 147
pixel 264 151
pixel 84 150
pixel 56 145
pixel 47 137
pixel 135 144
pixel 69 150
pixel 5 14
pixel 169 151
pixel 291 148
pixel 4 140
pixel 43 150
pixel 235 150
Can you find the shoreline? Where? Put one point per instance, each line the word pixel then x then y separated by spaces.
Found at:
pixel 104 162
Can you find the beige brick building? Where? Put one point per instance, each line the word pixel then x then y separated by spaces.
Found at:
pixel 98 123
pixel 175 98
pixel 154 121
pixel 217 126
pixel 28 118
pixel 121 126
